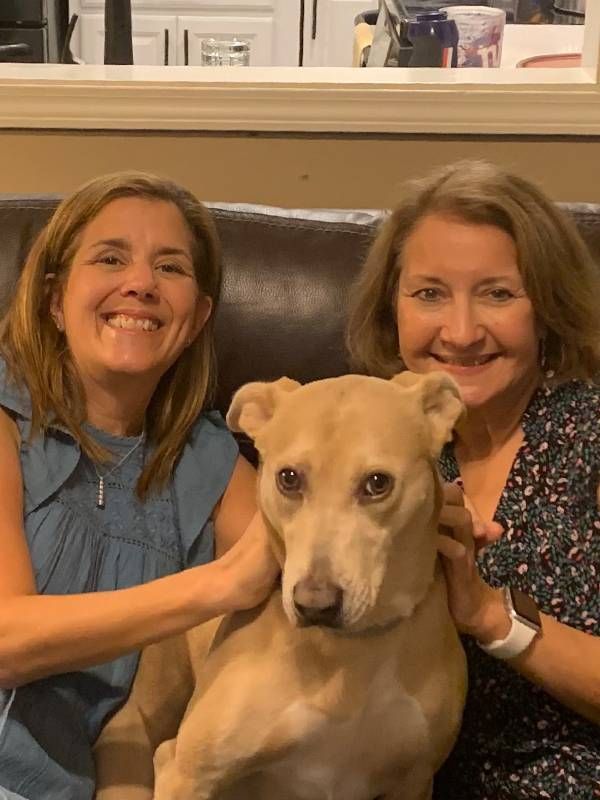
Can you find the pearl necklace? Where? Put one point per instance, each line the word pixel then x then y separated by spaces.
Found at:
pixel 100 503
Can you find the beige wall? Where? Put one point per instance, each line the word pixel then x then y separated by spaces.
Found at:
pixel 288 170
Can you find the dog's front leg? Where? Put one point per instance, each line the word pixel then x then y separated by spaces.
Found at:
pixel 170 781
pixel 124 750
pixel 415 784
pixel 195 773
pixel 217 746
pixel 418 793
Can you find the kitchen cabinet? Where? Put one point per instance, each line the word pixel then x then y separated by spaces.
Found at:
pixel 329 31
pixel 154 38
pixel 170 31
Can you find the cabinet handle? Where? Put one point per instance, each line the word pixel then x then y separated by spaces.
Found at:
pixel 301 35
pixel 315 8
pixel 186 47
pixel 166 50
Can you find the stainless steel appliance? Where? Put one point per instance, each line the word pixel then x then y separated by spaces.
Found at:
pixel 569 12
pixel 32 30
pixel 570 6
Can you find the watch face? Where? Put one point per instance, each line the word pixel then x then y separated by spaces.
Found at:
pixel 525 608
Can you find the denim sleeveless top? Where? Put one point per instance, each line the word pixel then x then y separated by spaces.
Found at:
pixel 47 727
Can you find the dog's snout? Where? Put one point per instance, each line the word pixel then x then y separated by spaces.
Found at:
pixel 318 602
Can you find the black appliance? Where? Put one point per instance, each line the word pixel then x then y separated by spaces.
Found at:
pixel 33 30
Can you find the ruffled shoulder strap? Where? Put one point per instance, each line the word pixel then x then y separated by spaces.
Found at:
pixel 200 478
pixel 12 397
pixel 47 460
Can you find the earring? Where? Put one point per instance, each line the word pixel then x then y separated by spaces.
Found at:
pixel 543 356
pixel 59 325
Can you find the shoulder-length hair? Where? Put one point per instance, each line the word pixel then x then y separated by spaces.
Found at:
pixel 558 272
pixel 37 354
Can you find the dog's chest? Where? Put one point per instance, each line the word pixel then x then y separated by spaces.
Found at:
pixel 354 758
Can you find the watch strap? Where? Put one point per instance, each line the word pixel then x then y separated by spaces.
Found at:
pixel 523 627
pixel 514 643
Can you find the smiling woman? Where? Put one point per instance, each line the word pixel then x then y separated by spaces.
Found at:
pixel 462 307
pixel 133 298
pixel 76 274
pixel 477 274
pixel 119 485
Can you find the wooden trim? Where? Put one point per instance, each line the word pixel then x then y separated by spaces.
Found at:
pixel 572 108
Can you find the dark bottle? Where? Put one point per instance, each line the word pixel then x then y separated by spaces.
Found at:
pixel 434 40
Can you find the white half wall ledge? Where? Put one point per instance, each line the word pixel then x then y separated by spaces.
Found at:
pixel 553 105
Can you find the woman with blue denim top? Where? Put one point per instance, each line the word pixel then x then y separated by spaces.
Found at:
pixel 118 486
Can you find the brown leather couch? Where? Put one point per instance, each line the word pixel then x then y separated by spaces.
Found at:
pixel 286 277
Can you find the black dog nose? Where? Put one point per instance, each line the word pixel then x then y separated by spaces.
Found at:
pixel 318 603
pixel 329 617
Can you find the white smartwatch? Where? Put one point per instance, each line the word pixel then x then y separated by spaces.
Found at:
pixel 526 623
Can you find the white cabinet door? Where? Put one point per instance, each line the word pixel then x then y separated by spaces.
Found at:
pixel 331 23
pixel 256 30
pixel 286 37
pixel 154 39
pixel 271 27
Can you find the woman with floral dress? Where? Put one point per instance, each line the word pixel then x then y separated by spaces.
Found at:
pixel 478 274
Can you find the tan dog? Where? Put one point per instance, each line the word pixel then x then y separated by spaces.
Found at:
pixel 348 684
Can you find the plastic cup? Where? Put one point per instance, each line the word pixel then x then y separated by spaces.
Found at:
pixel 480 32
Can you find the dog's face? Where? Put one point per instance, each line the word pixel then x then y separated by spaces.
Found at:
pixel 349 489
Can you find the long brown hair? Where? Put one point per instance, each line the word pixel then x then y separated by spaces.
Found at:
pixel 559 274
pixel 37 354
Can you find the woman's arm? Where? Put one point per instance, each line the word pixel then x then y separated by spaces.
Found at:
pixel 236 508
pixel 47 634
pixel 564 661
pixel 237 519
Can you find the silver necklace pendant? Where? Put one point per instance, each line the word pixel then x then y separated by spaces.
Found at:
pixel 100 495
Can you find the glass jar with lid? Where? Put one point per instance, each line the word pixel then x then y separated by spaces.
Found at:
pixel 224 52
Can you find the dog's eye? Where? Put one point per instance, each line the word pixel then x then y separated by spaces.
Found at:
pixel 289 480
pixel 376 485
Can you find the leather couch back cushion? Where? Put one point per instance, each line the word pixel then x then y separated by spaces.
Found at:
pixel 286 278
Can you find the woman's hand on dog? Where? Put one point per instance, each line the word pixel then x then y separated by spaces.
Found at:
pixel 248 570
pixel 476 608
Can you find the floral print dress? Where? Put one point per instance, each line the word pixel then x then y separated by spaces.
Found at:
pixel 516 740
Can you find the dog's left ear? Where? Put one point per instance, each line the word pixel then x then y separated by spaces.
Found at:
pixel 441 402
pixel 254 404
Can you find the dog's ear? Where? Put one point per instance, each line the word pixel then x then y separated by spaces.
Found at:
pixel 441 402
pixel 254 404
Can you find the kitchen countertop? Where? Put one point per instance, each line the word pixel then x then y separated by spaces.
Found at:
pixel 524 41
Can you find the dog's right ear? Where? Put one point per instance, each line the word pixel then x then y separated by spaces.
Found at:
pixel 254 404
